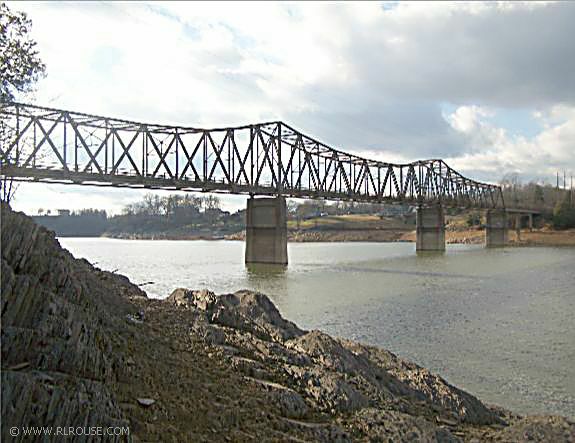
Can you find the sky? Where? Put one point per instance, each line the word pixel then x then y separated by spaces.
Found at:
pixel 488 87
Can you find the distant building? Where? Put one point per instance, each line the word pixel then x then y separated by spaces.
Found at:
pixel 63 212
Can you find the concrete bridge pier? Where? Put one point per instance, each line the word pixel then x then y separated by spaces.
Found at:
pixel 496 228
pixel 430 229
pixel 517 225
pixel 266 231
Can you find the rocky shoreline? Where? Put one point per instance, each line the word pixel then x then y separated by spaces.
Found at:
pixel 163 236
pixel 539 237
pixel 85 347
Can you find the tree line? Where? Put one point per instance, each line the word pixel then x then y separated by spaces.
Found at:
pixel 557 204
pixel 153 215
pixel 171 205
pixel 531 195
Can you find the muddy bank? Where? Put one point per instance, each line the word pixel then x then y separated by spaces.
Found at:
pixel 83 347
pixel 536 237
pixel 543 237
pixel 335 235
pixel 539 237
pixel 360 235
pixel 164 236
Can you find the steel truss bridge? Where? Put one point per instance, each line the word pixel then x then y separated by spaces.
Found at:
pixel 41 144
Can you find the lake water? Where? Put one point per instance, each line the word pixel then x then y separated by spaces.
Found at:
pixel 498 323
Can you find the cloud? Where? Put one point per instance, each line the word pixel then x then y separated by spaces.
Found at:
pixel 366 77
pixel 494 54
pixel 493 151
pixel 466 119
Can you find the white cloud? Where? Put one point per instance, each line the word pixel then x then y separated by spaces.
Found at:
pixel 494 151
pixel 358 75
pixel 467 119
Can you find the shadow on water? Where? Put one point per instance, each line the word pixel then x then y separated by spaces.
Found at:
pixel 430 254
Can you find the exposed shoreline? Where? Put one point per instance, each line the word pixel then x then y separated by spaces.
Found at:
pixel 537 237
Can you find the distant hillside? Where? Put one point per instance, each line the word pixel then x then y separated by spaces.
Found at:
pixel 213 222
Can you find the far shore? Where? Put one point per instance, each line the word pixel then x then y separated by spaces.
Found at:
pixel 536 237
pixel 352 228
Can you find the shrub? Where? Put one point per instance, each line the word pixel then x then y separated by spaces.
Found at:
pixel 473 219
pixel 564 214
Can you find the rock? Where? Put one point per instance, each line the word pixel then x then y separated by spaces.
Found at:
pixel 422 384
pixel 212 335
pixel 381 375
pixel 54 314
pixel 446 421
pixel 336 375
pixel 243 310
pixel 540 429
pixel 319 432
pixel 249 367
pixel 274 353
pixel 146 402
pixel 327 391
pixel 228 350
pixel 289 402
pixel 27 400
pixel 133 318
pixel 19 366
pixel 187 298
pixel 326 351
pixel 392 426
pixel 333 394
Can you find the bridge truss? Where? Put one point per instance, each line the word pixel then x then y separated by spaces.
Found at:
pixel 56 146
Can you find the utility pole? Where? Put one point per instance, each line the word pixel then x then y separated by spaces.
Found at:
pixel 571 193
pixel 556 190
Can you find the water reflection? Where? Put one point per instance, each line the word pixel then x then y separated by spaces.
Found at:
pixel 428 254
pixel 265 270
pixel 271 279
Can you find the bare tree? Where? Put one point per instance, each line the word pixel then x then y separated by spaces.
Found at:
pixel 211 202
pixel 20 69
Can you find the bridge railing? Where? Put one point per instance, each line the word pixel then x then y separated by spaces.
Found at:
pixel 272 158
